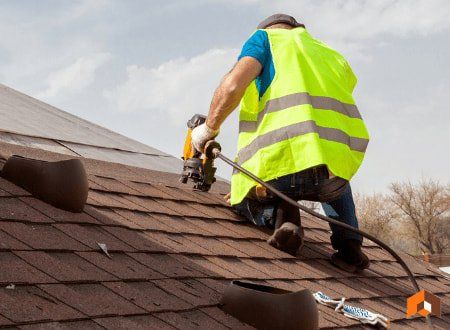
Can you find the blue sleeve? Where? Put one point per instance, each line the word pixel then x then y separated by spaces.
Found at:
pixel 257 46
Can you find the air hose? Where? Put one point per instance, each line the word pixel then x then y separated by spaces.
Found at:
pixel 215 152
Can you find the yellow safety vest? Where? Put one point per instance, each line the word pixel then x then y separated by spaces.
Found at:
pixel 307 116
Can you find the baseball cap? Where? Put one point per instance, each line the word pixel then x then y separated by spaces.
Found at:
pixel 279 18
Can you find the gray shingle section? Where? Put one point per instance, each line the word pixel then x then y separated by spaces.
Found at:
pixel 152 162
pixel 24 115
pixel 31 123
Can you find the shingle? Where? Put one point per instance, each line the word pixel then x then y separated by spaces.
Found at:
pixel 216 246
pixel 7 242
pixel 238 267
pixel 438 286
pixel 179 225
pixel 212 269
pixel 190 290
pixel 373 286
pixel 195 319
pixel 225 319
pixel 271 269
pixel 70 325
pixel 177 193
pixel 140 322
pixel 147 189
pixel 146 204
pixel 246 230
pixel 381 307
pixel 271 252
pixel 15 209
pixel 4 193
pixel 115 218
pixel 92 235
pixel 91 299
pixel 30 304
pixel 325 269
pixel 211 228
pixel 336 317
pixel 289 285
pixel 344 290
pixel 120 265
pixel 141 220
pixel 138 240
pixel 103 215
pixel 168 265
pixel 325 321
pixel 41 237
pixel 214 212
pixel 298 268
pixel 15 270
pixel 112 185
pixel 64 266
pixel 182 208
pixel 309 252
pixel 57 214
pixel 215 284
pixel 315 286
pixel 246 248
pixel 106 199
pixel 12 189
pixel 176 243
pixel 148 296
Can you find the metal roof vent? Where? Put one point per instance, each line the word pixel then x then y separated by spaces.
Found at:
pixel 63 184
pixel 266 307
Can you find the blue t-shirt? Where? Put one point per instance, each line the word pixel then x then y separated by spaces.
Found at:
pixel 258 47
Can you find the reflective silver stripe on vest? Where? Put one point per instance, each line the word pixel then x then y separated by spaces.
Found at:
pixel 284 102
pixel 295 130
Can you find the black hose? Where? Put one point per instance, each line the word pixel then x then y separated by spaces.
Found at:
pixel 278 193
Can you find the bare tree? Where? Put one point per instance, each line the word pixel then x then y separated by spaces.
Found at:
pixel 377 215
pixel 425 211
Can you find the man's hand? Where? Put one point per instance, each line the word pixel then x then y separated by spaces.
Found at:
pixel 227 198
pixel 202 134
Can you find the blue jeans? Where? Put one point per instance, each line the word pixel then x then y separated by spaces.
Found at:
pixel 342 208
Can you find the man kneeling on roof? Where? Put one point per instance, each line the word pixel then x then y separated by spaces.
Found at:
pixel 299 130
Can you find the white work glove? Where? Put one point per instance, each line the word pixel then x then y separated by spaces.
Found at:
pixel 202 134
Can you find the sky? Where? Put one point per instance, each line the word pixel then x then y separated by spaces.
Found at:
pixel 143 68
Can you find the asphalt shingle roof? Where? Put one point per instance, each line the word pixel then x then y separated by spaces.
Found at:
pixel 173 252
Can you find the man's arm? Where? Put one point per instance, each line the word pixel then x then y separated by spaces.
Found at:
pixel 226 98
pixel 231 90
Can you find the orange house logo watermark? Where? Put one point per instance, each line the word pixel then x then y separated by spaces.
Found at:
pixel 423 303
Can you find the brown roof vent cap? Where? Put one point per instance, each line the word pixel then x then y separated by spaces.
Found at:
pixel 63 184
pixel 266 307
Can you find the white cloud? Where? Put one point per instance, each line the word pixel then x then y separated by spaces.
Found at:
pixel 74 77
pixel 354 25
pixel 177 87
pixel 362 19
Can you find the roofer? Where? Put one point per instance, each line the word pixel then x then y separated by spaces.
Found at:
pixel 299 130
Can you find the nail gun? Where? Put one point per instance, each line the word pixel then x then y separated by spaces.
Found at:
pixel 197 166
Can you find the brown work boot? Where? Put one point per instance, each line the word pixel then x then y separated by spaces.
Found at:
pixel 350 257
pixel 287 238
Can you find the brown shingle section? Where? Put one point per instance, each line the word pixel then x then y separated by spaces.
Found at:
pixel 148 296
pixel 15 209
pixel 41 237
pixel 172 253
pixel 30 304
pixel 139 322
pixel 65 267
pixel 92 299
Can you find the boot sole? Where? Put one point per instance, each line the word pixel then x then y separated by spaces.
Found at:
pixel 338 262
